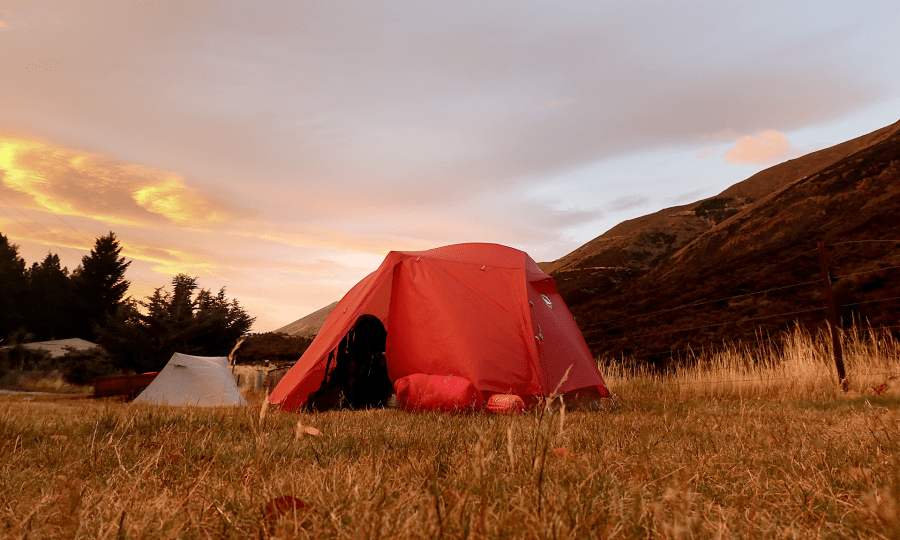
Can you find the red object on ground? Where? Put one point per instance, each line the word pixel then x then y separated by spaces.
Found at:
pixel 483 312
pixel 420 392
pixel 505 404
pixel 122 385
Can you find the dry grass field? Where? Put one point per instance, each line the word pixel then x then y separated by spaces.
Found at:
pixel 750 444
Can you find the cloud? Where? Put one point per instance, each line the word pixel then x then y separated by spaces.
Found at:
pixel 169 197
pixel 552 104
pixel 627 202
pixel 412 99
pixel 67 181
pixel 373 238
pixel 217 252
pixel 763 148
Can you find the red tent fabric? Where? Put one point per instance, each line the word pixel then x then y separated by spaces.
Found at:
pixel 484 312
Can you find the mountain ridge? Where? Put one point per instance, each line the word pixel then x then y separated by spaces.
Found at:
pixel 744 192
pixel 847 203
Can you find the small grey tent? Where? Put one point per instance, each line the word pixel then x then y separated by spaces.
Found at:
pixel 200 381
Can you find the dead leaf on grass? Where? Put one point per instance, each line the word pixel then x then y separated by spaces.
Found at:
pixel 300 430
pixel 282 505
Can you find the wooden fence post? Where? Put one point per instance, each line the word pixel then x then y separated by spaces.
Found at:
pixel 832 318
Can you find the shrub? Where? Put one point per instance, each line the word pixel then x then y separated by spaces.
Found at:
pixel 718 209
pixel 20 358
pixel 80 367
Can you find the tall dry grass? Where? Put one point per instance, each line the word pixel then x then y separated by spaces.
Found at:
pixel 40 381
pixel 798 365
pixel 713 462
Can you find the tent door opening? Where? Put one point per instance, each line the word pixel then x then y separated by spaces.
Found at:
pixel 356 374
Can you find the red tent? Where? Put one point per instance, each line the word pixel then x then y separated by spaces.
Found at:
pixel 484 312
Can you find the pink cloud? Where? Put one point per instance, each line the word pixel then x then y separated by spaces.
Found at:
pixel 763 148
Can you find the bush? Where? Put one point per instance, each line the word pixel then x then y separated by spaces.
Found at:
pixel 718 209
pixel 80 367
pixel 17 363
pixel 22 359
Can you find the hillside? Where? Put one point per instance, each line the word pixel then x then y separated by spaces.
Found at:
pixel 634 247
pixel 850 200
pixel 309 325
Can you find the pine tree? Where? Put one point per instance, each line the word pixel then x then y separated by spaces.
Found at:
pixel 142 336
pixel 50 300
pixel 13 284
pixel 100 285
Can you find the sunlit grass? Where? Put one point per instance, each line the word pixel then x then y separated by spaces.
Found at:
pixel 796 366
pixel 771 458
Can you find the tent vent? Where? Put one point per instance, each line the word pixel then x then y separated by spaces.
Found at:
pixel 547 300
pixel 540 335
pixel 483 267
pixel 531 303
pixel 417 259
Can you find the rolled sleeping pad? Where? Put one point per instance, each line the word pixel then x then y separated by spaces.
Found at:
pixel 448 393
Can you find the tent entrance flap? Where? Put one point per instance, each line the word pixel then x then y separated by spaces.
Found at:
pixel 356 374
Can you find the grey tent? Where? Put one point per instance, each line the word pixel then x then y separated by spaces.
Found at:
pixel 201 381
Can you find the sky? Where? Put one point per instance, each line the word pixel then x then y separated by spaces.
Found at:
pixel 281 149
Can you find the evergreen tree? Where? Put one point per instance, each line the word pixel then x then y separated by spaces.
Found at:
pixel 13 284
pixel 100 285
pixel 127 337
pixel 219 321
pixel 50 300
pixel 203 325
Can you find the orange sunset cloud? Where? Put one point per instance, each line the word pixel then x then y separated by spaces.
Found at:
pixel 763 148
pixel 66 181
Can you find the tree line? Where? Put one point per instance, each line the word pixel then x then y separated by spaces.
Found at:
pixel 45 301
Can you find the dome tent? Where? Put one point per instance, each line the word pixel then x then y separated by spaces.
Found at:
pixel 482 312
pixel 200 381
